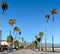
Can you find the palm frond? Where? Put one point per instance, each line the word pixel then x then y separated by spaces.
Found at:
pixel 4 6
pixel 54 11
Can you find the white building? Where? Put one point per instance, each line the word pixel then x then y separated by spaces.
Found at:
pixel 3 42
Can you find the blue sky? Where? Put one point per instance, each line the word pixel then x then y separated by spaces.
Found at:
pixel 30 17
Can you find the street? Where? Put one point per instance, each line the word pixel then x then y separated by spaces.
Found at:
pixel 29 51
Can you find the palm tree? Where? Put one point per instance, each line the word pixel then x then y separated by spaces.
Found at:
pixel 22 39
pixel 35 42
pixel 47 18
pixel 53 12
pixel 41 35
pixel 17 30
pixel 11 23
pixel 36 39
pixel 32 44
pixel 16 43
pixel 24 43
pixel 39 40
pixel 10 40
pixel 36 36
pixel 4 6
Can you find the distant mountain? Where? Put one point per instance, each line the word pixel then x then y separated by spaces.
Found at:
pixel 26 43
pixel 43 44
pixel 50 45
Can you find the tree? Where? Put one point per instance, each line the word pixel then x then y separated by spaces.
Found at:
pixel 11 23
pixel 10 40
pixel 32 44
pixel 40 36
pixel 17 30
pixel 53 12
pixel 4 6
pixel 35 42
pixel 16 43
pixel 36 36
pixel 47 18
pixel 38 39
pixel 22 39
pixel 24 43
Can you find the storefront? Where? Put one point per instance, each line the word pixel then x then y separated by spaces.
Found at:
pixel 4 45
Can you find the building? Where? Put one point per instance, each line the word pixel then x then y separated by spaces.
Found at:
pixel 3 42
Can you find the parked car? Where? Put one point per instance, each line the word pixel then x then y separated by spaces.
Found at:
pixel 5 47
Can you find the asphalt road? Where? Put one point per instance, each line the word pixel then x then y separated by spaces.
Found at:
pixel 28 51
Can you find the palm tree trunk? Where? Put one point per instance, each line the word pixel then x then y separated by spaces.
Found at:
pixel 45 45
pixel 1 27
pixel 41 45
pixel 13 42
pixel 0 36
pixel 0 30
pixel 16 36
pixel 9 47
pixel 25 46
pixel 11 30
pixel 53 34
pixel 45 37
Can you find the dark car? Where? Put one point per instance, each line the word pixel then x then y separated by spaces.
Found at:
pixel 5 47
